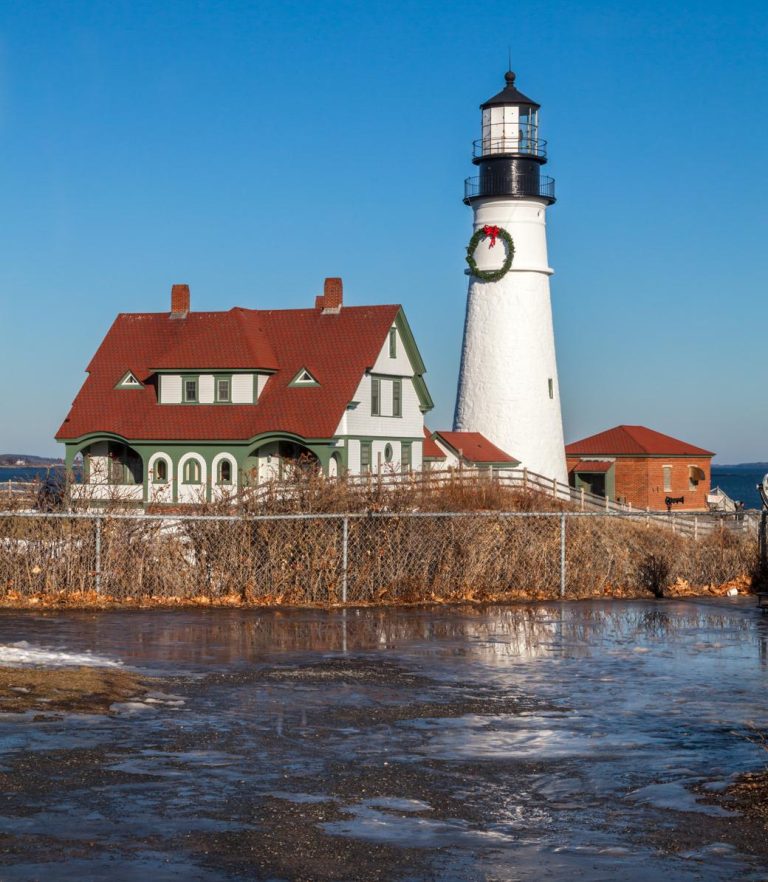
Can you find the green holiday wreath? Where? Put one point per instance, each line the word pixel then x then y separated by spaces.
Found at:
pixel 493 233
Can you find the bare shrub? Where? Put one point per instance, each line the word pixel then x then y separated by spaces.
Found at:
pixel 283 544
pixel 653 574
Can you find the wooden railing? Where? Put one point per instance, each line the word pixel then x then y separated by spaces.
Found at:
pixel 694 524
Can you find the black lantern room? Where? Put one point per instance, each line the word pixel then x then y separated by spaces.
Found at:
pixel 510 154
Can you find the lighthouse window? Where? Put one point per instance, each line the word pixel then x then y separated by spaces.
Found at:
pixel 551 388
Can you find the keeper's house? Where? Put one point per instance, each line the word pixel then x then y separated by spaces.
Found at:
pixel 634 464
pixel 183 407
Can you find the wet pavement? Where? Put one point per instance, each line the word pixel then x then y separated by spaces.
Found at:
pixel 529 742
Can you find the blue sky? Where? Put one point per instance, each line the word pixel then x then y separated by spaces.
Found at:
pixel 251 149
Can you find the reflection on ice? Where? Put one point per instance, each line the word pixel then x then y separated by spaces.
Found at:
pixel 521 742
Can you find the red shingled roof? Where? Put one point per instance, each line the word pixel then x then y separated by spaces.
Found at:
pixel 430 450
pixel 336 349
pixel 633 441
pixel 475 447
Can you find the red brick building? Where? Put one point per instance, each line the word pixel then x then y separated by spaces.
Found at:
pixel 645 468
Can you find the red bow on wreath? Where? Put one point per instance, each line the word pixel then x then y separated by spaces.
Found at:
pixel 493 232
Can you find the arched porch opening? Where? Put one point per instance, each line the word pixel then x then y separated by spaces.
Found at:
pixel 280 459
pixel 112 470
pixel 113 463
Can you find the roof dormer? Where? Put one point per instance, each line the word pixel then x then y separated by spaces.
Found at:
pixel 129 381
pixel 303 378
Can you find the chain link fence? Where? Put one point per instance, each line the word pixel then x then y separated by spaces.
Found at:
pixel 354 558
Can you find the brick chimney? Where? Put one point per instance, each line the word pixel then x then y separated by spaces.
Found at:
pixel 179 301
pixel 332 297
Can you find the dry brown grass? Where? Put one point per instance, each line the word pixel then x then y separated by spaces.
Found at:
pixel 396 558
pixel 78 690
pixel 397 552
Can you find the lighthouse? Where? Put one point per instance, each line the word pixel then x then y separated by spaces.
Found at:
pixel 508 387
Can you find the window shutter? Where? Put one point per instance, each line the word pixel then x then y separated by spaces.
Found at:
pixel 405 456
pixel 365 456
pixel 397 398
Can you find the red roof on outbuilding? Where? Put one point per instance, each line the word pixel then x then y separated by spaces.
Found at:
pixel 633 441
pixel 430 450
pixel 335 348
pixel 475 447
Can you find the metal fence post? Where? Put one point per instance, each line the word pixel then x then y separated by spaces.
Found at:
pixel 98 554
pixel 562 554
pixel 344 557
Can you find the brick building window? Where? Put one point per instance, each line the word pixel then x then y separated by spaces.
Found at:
pixel 695 474
pixel 667 472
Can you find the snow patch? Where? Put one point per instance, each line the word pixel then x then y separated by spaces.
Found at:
pixel 23 653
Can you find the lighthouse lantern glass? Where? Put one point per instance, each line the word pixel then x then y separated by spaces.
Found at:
pixel 510 128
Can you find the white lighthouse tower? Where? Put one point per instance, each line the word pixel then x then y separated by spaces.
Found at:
pixel 508 388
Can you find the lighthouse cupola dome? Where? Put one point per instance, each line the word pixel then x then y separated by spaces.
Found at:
pixel 509 95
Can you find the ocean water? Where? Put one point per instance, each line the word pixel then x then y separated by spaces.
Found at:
pixel 14 473
pixel 739 484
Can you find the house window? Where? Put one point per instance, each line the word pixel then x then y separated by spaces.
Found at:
pixel 405 456
pixel 365 456
pixel 397 398
pixel 393 343
pixel 667 471
pixel 223 389
pixel 388 453
pixel 192 472
pixel 190 389
pixel 160 475
pixel 116 469
pixel 225 472
pixel 375 396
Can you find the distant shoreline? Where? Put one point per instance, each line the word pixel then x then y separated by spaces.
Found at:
pixel 32 465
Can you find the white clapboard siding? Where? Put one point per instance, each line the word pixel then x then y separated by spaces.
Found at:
pixel 261 382
pixel 361 422
pixel 170 389
pixel 353 456
pixel 242 389
pixel 399 366
pixel 205 389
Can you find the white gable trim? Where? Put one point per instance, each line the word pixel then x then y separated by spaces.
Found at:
pixel 129 381
pixel 304 378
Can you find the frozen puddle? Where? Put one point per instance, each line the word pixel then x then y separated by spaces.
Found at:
pixel 576 741
pixel 676 798
pixel 22 653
